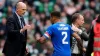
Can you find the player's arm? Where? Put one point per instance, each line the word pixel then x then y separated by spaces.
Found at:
pixel 74 33
pixel 76 36
pixel 45 36
pixel 43 39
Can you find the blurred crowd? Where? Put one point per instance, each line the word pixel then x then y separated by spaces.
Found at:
pixel 38 15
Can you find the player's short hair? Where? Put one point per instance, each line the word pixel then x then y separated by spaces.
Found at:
pixel 75 17
pixel 56 14
pixel 98 19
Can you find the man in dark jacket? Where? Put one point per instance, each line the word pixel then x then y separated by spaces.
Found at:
pixel 15 44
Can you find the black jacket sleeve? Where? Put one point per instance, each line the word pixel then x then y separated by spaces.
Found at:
pixel 84 35
pixel 11 26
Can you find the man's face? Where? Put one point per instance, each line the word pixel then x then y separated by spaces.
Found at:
pixel 80 20
pixel 21 10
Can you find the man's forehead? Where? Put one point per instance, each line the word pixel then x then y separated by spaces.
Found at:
pixel 21 5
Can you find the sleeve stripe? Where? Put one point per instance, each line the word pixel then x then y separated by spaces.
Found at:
pixel 46 35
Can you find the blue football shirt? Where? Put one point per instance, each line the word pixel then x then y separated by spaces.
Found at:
pixel 60 34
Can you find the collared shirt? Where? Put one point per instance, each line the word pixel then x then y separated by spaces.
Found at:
pixel 19 18
pixel 75 47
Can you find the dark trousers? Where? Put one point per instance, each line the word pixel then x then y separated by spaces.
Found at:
pixel 21 52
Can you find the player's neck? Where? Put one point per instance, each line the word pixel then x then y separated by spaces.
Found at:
pixel 57 21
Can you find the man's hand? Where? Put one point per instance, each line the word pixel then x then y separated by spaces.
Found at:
pixel 84 49
pixel 27 51
pixel 26 27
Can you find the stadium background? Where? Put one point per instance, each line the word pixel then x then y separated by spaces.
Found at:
pixel 38 15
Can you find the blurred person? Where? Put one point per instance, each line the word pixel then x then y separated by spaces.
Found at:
pixel 97 6
pixel 15 44
pixel 47 24
pixel 60 35
pixel 63 17
pixel 37 18
pixel 31 9
pixel 38 45
pixel 41 27
pixel 14 2
pixel 26 17
pixel 43 18
pixel 88 17
pixel 78 8
pixel 9 11
pixel 48 7
pixel 94 39
pixel 38 24
pixel 77 22
pixel 92 5
pixel 94 21
pixel 29 2
pixel 64 2
pixel 70 9
pixel 2 5
pixel 83 4
pixel 31 31
pixel 57 8
pixel 3 28
pixel 32 16
pixel 60 5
